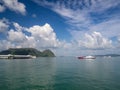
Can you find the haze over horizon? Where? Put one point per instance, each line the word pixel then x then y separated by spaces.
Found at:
pixel 67 27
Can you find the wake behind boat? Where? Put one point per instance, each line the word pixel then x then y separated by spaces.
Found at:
pixel 86 57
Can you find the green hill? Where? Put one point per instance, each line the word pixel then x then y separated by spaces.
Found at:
pixel 47 53
pixel 28 51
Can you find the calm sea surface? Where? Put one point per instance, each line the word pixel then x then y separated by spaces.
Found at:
pixel 60 73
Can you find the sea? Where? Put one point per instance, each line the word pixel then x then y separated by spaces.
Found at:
pixel 60 73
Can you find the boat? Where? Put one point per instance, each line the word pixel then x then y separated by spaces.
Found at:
pixel 86 57
pixel 23 57
pixel 9 56
pixel 81 57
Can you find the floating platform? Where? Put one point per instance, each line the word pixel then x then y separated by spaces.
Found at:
pixel 9 56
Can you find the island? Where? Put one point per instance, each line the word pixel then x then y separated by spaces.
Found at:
pixel 26 53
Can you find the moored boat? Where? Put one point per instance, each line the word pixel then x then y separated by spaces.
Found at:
pixel 9 56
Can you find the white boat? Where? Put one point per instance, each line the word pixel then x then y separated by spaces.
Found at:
pixel 86 57
pixel 9 56
pixel 89 57
pixel 5 56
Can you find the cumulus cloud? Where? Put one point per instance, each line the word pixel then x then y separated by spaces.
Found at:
pixel 96 41
pixel 13 5
pixel 5 44
pixel 40 37
pixel 44 35
pixel 18 27
pixel 16 36
pixel 92 41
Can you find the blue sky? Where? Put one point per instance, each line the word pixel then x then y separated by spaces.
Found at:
pixel 67 27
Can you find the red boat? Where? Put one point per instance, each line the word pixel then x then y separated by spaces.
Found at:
pixel 82 57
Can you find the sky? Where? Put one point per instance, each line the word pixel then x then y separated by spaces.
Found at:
pixel 67 27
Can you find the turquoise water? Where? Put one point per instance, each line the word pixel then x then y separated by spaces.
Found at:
pixel 60 73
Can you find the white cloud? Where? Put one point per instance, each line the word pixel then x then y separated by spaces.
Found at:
pixel 13 5
pixel 5 44
pixel 16 36
pixel 18 27
pixel 77 12
pixel 96 41
pixel 2 8
pixel 91 40
pixel 77 15
pixel 102 5
pixel 44 35
pixel 108 29
pixel 40 37
pixel 88 44
pixel 3 25
pixel 118 43
pixel 88 38
pixel 74 18
pixel 119 38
